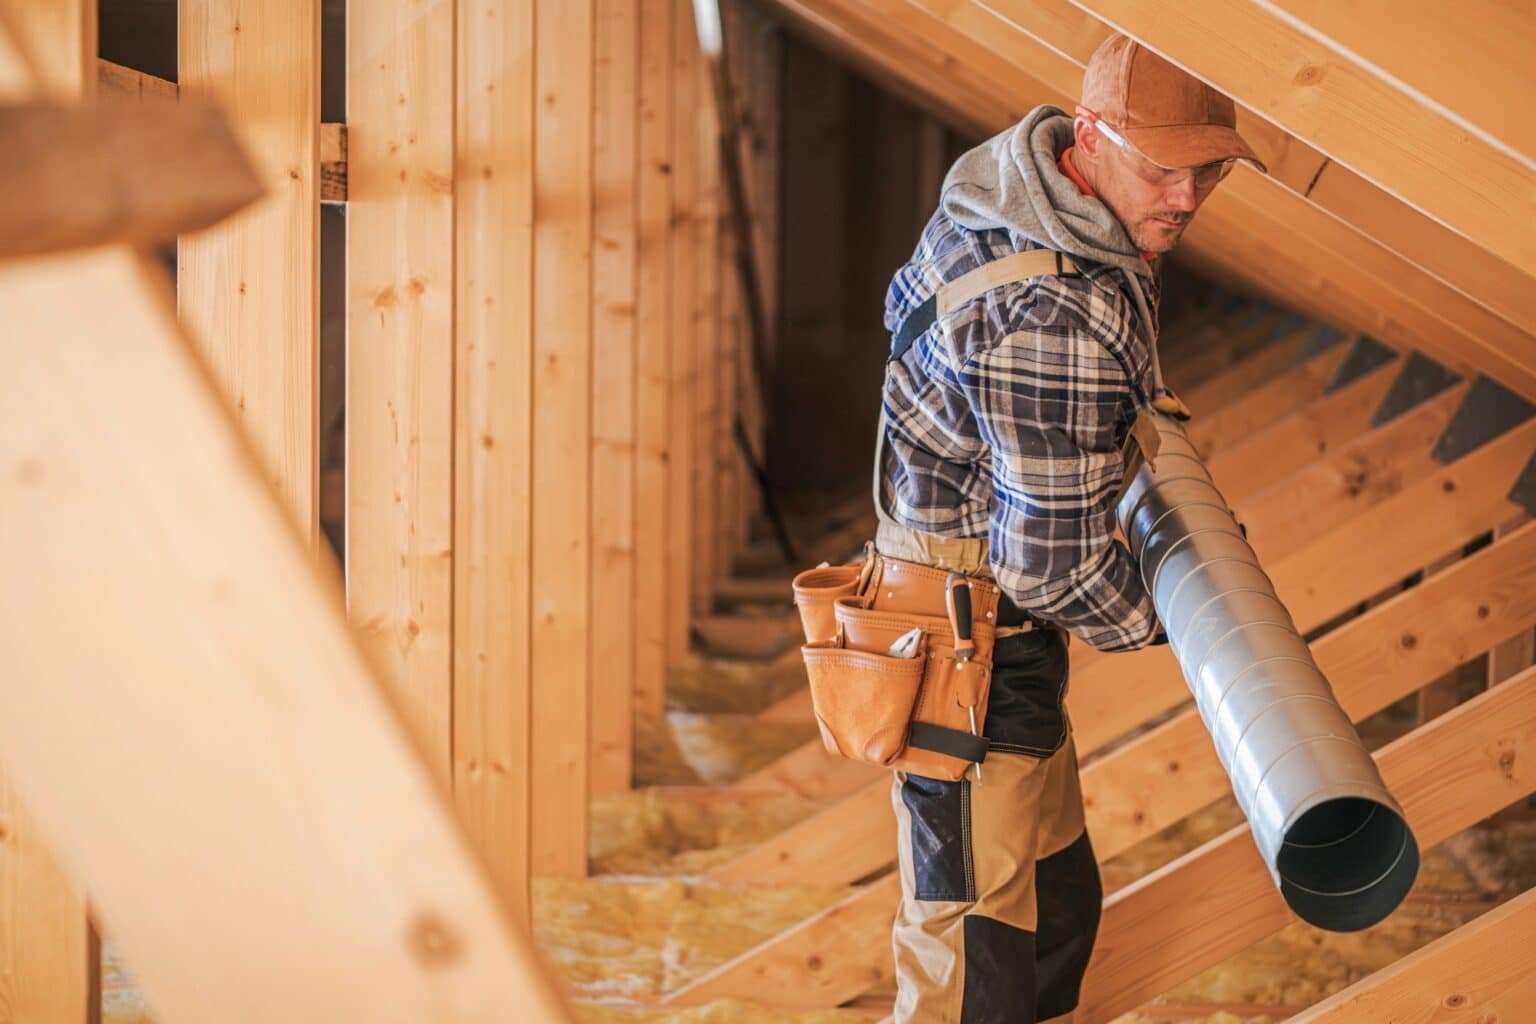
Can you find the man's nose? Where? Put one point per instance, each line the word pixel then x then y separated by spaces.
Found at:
pixel 1181 194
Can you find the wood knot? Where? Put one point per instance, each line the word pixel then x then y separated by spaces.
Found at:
pixel 1310 74
pixel 813 962
pixel 1507 764
pixel 1483 611
pixel 432 941
pixel 1409 641
pixel 29 472
pixel 1449 486
pixel 1455 1001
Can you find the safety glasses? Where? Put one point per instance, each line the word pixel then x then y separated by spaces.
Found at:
pixel 1205 177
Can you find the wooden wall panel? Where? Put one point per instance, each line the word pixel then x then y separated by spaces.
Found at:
pixel 399 463
pixel 493 436
pixel 653 355
pixel 48 956
pixel 289 857
pixel 249 288
pixel 686 96
pixel 614 453
pixel 709 203
pixel 562 426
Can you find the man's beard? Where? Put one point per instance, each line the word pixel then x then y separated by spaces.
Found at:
pixel 1155 238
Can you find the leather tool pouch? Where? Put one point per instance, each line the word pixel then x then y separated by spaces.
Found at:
pixel 918 714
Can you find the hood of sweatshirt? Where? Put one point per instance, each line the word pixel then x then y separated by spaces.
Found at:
pixel 1012 181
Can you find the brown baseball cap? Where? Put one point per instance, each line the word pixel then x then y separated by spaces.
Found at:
pixel 1167 113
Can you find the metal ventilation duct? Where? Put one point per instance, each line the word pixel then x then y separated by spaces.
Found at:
pixel 1333 837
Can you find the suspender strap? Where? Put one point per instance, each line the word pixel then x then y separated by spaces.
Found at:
pixel 1020 266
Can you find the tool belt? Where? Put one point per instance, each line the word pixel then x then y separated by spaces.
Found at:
pixel 920 714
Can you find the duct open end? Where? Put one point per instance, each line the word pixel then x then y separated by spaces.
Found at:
pixel 1347 863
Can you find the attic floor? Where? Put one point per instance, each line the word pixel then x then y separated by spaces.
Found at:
pixel 645 924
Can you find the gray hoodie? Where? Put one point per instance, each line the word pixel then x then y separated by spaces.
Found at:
pixel 1012 181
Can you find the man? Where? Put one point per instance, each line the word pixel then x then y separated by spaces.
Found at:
pixel 1002 454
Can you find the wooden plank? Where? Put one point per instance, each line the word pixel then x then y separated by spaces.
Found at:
pixel 1064 31
pixel 1498 341
pixel 684 340
pixel 1242 469
pixel 614 261
pixel 1258 370
pixel 400 319
pixel 1405 643
pixel 1518 652
pixel 1480 971
pixel 1411 151
pixel 1390 39
pixel 1219 899
pixel 709 201
pixel 118 82
pixel 1170 772
pixel 1439 512
pixel 249 289
pixel 48 964
pixel 1388 542
pixel 367 874
pixel 493 437
pixel 653 356
pixel 1195 905
pixel 560 659
pixel 1306 505
pixel 333 163
pixel 46 51
pixel 1240 421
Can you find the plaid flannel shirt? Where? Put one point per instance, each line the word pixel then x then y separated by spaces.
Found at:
pixel 1009 424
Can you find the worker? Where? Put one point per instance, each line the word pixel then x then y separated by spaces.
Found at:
pixel 1002 450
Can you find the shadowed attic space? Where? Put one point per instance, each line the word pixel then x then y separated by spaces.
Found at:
pixel 639 771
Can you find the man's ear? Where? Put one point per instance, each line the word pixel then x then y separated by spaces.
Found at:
pixel 1084 137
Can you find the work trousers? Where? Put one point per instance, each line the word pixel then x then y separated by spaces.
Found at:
pixel 1000 888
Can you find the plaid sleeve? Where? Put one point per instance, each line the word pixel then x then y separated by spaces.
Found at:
pixel 1047 401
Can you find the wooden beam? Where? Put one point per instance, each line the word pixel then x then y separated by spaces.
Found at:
pixel 122 83
pixel 399 380
pixel 709 214
pixel 79 176
pixel 615 194
pixel 1434 513
pixel 1197 909
pixel 1389 39
pixel 208 738
pixel 684 332
pixel 49 965
pixel 831 32
pixel 1219 899
pixel 1384 655
pixel 45 54
pixel 493 189
pixel 1243 468
pixel 1237 421
pixel 1481 971
pixel 1412 151
pixel 1066 37
pixel 1048 22
pixel 653 356
pixel 249 289
pixel 559 657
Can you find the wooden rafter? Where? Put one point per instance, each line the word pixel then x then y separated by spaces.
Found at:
pixel 1348 112
pixel 1196 911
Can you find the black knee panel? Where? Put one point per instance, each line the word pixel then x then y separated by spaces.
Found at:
pixel 1070 898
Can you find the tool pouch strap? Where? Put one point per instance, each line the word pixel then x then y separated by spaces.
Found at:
pixel 912 714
